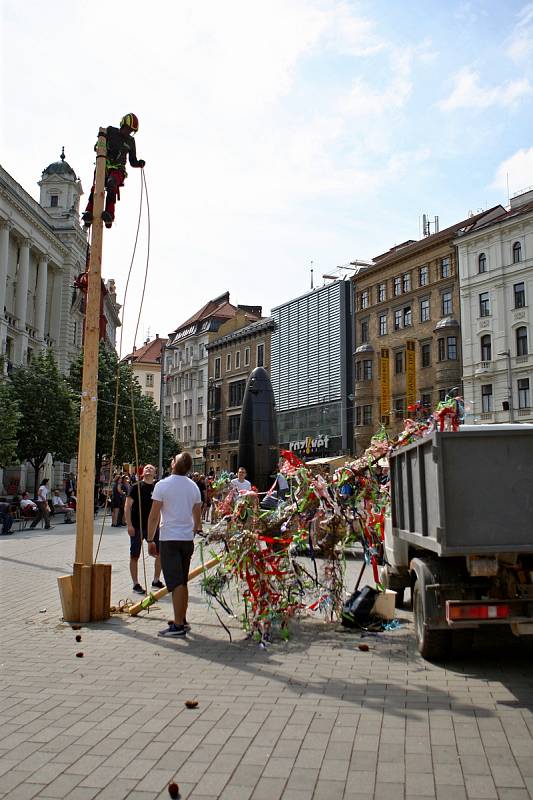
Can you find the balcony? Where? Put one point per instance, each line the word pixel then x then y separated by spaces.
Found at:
pixel 522 359
pixel 487 416
pixel 483 368
pixel 524 412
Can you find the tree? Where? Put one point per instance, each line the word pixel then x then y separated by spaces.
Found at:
pixel 146 413
pixel 49 423
pixel 10 416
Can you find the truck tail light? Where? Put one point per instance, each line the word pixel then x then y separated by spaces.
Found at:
pixel 464 611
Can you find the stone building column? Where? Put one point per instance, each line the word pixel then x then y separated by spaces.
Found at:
pixel 55 309
pixel 21 303
pixel 40 296
pixel 4 256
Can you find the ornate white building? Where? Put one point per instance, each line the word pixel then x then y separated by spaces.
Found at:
pixel 496 287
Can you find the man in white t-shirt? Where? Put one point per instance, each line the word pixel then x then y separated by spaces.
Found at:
pixel 177 510
pixel 42 505
pixel 240 482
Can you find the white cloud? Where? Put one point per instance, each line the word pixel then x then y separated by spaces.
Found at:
pixel 470 94
pixel 519 169
pixel 520 44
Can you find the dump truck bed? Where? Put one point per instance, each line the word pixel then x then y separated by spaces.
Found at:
pixel 466 492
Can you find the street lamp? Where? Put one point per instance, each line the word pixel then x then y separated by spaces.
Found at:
pixel 507 354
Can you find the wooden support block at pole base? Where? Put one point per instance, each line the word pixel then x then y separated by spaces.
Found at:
pixel 66 593
pixel 193 573
pixel 101 592
pixel 81 582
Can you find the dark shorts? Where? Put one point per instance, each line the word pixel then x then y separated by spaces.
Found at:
pixel 175 562
pixel 135 542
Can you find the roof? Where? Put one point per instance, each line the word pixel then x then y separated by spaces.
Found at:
pixel 60 167
pixel 411 247
pixel 218 307
pixel 513 212
pixel 149 353
pixel 242 333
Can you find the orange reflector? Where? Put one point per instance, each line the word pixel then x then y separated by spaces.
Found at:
pixel 478 611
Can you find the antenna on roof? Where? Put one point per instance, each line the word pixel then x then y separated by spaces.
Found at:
pixel 312 286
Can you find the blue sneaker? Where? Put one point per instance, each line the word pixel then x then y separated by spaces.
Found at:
pixel 173 630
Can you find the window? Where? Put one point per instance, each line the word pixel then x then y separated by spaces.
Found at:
pixel 426 401
pixel 178 415
pixel 357 370
pixel 149 379
pixel 199 431
pixel 445 268
pixel 484 304
pixel 424 310
pixel 442 350
pixel 517 252
pixel 486 397
pixel 398 362
pixel 399 406
pixel 201 351
pixel 367 369
pixel 190 411
pixel 236 393
pixel 358 416
pixel 486 348
pixel 54 201
pixel 167 412
pixel 200 406
pixel 246 356
pixel 364 331
pixel 482 263
pixel 260 355
pixel 407 317
pixel 447 305
pixel 423 276
pixel 452 348
pixel 406 282
pixel 201 378
pixel 397 286
pixel 397 319
pixel 426 354
pixel 175 410
pixel 364 298
pixel 382 292
pixel 217 367
pixel 519 295
pixel 521 341
pixel 228 362
pixel 523 393
pixel 382 324
pixel 367 415
pixel 238 359
pixel 233 427
pixel 442 395
pixel 178 433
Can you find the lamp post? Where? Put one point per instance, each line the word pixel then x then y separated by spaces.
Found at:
pixel 507 354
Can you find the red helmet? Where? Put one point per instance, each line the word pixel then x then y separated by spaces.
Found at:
pixel 131 121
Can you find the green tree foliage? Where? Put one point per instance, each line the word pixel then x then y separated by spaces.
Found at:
pixel 48 416
pixel 145 410
pixel 9 423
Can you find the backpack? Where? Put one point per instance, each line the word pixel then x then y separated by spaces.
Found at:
pixel 356 611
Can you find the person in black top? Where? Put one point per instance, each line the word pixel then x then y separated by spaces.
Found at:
pixel 120 147
pixel 137 510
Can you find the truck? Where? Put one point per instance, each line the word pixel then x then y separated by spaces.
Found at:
pixel 460 533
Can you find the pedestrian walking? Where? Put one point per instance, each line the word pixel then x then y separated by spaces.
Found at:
pixel 176 501
pixel 6 520
pixel 43 509
pixel 137 511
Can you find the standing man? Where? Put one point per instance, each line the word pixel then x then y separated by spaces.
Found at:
pixel 137 510
pixel 42 505
pixel 177 502
pixel 240 482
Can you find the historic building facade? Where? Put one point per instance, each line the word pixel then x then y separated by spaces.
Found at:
pixel 496 277
pixel 312 351
pixel 407 334
pixel 233 355
pixel 145 362
pixel 186 373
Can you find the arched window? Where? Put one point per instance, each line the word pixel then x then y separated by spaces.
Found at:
pixel 517 252
pixel 521 341
pixel 486 348
pixel 482 262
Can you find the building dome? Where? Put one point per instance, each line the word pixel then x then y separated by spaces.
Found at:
pixel 446 322
pixel 365 348
pixel 60 167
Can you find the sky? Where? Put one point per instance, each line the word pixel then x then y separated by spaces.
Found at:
pixel 278 136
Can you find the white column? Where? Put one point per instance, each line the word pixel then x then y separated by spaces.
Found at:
pixel 40 298
pixel 4 256
pixel 21 303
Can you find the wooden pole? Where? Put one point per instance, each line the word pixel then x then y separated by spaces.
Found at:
pixel 89 392
pixel 193 573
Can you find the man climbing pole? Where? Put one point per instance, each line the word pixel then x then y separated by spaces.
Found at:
pixel 120 146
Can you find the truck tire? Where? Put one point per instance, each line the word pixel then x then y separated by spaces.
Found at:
pixel 431 644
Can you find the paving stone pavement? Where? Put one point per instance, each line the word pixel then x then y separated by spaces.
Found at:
pixel 311 718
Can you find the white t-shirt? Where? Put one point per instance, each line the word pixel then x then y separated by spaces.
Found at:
pixel 178 494
pixel 242 486
pixel 43 493
pixel 57 500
